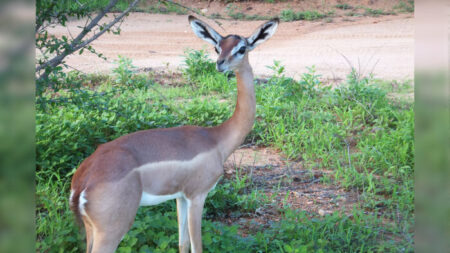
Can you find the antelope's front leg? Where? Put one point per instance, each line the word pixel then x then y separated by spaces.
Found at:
pixel 183 232
pixel 195 210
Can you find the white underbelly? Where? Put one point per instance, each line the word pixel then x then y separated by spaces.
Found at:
pixel 150 199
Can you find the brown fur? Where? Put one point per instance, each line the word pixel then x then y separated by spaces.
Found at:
pixel 160 162
pixel 115 159
pixel 227 44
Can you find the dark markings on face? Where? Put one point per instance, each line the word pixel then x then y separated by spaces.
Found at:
pixel 241 50
pixel 228 43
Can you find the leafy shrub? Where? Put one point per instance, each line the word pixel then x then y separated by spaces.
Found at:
pixel 198 64
pixel 343 6
pixel 290 15
pixel 201 72
pixel 124 71
pixel 377 12
pixel 405 6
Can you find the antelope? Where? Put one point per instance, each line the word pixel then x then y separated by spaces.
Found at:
pixel 152 166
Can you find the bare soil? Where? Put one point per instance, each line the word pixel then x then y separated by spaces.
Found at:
pixel 382 45
pixel 288 184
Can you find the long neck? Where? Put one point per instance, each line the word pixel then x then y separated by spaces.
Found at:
pixel 233 131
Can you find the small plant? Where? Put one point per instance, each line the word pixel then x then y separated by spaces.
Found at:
pixel 124 70
pixel 163 7
pixel 234 12
pixel 215 16
pixel 277 68
pixel 290 15
pixel 405 6
pixel 376 12
pixel 343 6
pixel 353 14
pixel 197 64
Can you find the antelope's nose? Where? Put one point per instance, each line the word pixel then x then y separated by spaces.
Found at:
pixel 219 66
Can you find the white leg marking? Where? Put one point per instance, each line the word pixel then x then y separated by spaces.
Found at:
pixel 183 226
pixel 82 202
pixel 71 196
pixel 150 199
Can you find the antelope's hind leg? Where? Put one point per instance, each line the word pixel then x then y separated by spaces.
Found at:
pixel 112 209
pixel 89 234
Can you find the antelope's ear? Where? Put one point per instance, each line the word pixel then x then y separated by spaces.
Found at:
pixel 263 33
pixel 204 31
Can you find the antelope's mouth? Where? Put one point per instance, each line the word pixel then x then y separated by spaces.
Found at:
pixel 221 69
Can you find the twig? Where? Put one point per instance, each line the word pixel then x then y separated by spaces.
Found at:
pixel 77 44
pixel 348 153
pixel 66 65
pixel 266 166
pixel 371 71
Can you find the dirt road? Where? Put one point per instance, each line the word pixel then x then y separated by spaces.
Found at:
pixel 383 45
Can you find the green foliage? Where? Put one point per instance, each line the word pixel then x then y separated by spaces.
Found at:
pixel 405 6
pixel 355 130
pixel 377 12
pixel 162 7
pixel 343 6
pixel 124 71
pixel 197 65
pixel 56 228
pixel 201 72
pixel 52 49
pixel 291 15
pixel 236 13
pixel 233 198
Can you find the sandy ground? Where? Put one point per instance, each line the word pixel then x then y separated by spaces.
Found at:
pixel 383 45
pixel 277 177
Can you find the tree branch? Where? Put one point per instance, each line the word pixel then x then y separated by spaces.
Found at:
pixel 77 43
pixel 107 27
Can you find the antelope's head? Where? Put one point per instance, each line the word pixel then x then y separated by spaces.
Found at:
pixel 232 49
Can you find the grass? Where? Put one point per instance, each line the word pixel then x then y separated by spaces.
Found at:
pixel 144 6
pixel 344 6
pixel 290 15
pixel 357 131
pixel 405 6
pixel 236 13
pixel 377 12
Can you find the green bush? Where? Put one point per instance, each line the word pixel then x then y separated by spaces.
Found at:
pixel 405 6
pixel 290 15
pixel 343 6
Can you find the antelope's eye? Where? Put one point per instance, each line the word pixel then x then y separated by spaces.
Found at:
pixel 215 49
pixel 241 50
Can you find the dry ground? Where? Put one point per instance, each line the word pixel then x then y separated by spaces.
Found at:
pixel 287 184
pixel 382 45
